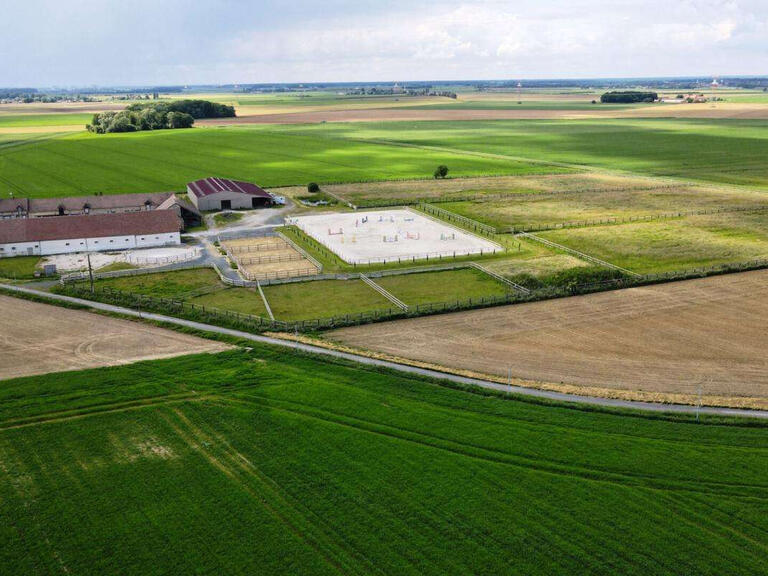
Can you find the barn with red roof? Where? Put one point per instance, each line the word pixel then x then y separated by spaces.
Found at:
pixel 225 194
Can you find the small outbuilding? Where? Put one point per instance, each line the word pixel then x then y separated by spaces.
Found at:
pixel 226 194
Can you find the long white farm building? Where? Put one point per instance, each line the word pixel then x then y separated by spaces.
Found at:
pixel 94 232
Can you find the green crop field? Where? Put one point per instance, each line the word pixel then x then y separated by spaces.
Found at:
pixel 266 461
pixel 427 287
pixel 673 245
pixel 85 163
pixel 726 151
pixel 36 120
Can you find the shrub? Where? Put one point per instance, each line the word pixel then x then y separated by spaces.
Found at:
pixel 313 188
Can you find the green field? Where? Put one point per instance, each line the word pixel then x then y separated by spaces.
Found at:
pixel 725 151
pixel 666 246
pixel 323 299
pixel 85 163
pixel 520 211
pixel 18 267
pixel 271 462
pixel 432 287
pixel 29 120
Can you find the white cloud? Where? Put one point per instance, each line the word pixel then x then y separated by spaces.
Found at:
pixel 185 41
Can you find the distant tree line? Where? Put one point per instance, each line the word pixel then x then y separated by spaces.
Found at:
pixel 628 97
pixel 158 116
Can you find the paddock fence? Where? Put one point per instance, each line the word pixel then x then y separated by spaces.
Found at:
pixel 177 307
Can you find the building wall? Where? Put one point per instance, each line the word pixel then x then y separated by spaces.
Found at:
pixel 19 249
pixel 110 243
pixel 213 201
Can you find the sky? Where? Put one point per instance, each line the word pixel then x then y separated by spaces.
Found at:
pixel 71 43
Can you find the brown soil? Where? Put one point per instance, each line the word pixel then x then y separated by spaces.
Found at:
pixel 40 338
pixel 657 342
pixel 753 111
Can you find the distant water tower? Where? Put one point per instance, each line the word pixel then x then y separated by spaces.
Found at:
pixel 519 92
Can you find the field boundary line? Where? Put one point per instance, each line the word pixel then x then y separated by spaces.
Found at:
pixel 500 278
pixel 266 302
pixel 578 254
pixel 384 292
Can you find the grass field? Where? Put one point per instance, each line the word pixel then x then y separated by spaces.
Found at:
pixel 521 211
pixel 671 245
pixel 323 299
pixel 361 194
pixel 18 267
pixel 309 300
pixel 272 462
pixel 85 163
pixel 726 151
pixel 426 287
pixel 23 120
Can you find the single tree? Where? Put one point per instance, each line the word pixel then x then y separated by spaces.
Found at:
pixel 441 171
pixel 313 188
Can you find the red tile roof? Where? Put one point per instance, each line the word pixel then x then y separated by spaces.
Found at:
pixel 208 186
pixel 92 226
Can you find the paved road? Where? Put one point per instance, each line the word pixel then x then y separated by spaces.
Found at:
pixel 605 402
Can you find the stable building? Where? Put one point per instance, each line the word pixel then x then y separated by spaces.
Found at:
pixel 225 194
pixel 99 204
pixel 88 233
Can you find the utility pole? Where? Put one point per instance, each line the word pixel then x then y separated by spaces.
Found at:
pixel 509 379
pixel 90 270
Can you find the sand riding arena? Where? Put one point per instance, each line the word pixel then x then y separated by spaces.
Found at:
pixel 390 236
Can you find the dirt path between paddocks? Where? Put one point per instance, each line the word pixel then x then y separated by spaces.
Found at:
pixel 39 338
pixel 660 343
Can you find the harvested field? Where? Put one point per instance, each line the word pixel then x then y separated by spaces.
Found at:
pixel 740 111
pixel 39 338
pixel 658 342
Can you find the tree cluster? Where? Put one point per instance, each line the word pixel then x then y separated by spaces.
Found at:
pixel 628 97
pixel 158 116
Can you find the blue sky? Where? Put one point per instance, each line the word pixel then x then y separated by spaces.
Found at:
pixel 109 42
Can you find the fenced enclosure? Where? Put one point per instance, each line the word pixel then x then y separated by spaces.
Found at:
pixel 238 320
pixel 382 237
pixel 269 257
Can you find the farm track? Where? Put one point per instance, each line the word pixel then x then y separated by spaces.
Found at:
pixel 402 367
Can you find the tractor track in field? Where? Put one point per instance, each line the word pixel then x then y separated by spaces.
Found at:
pixel 220 454
pixel 497 456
